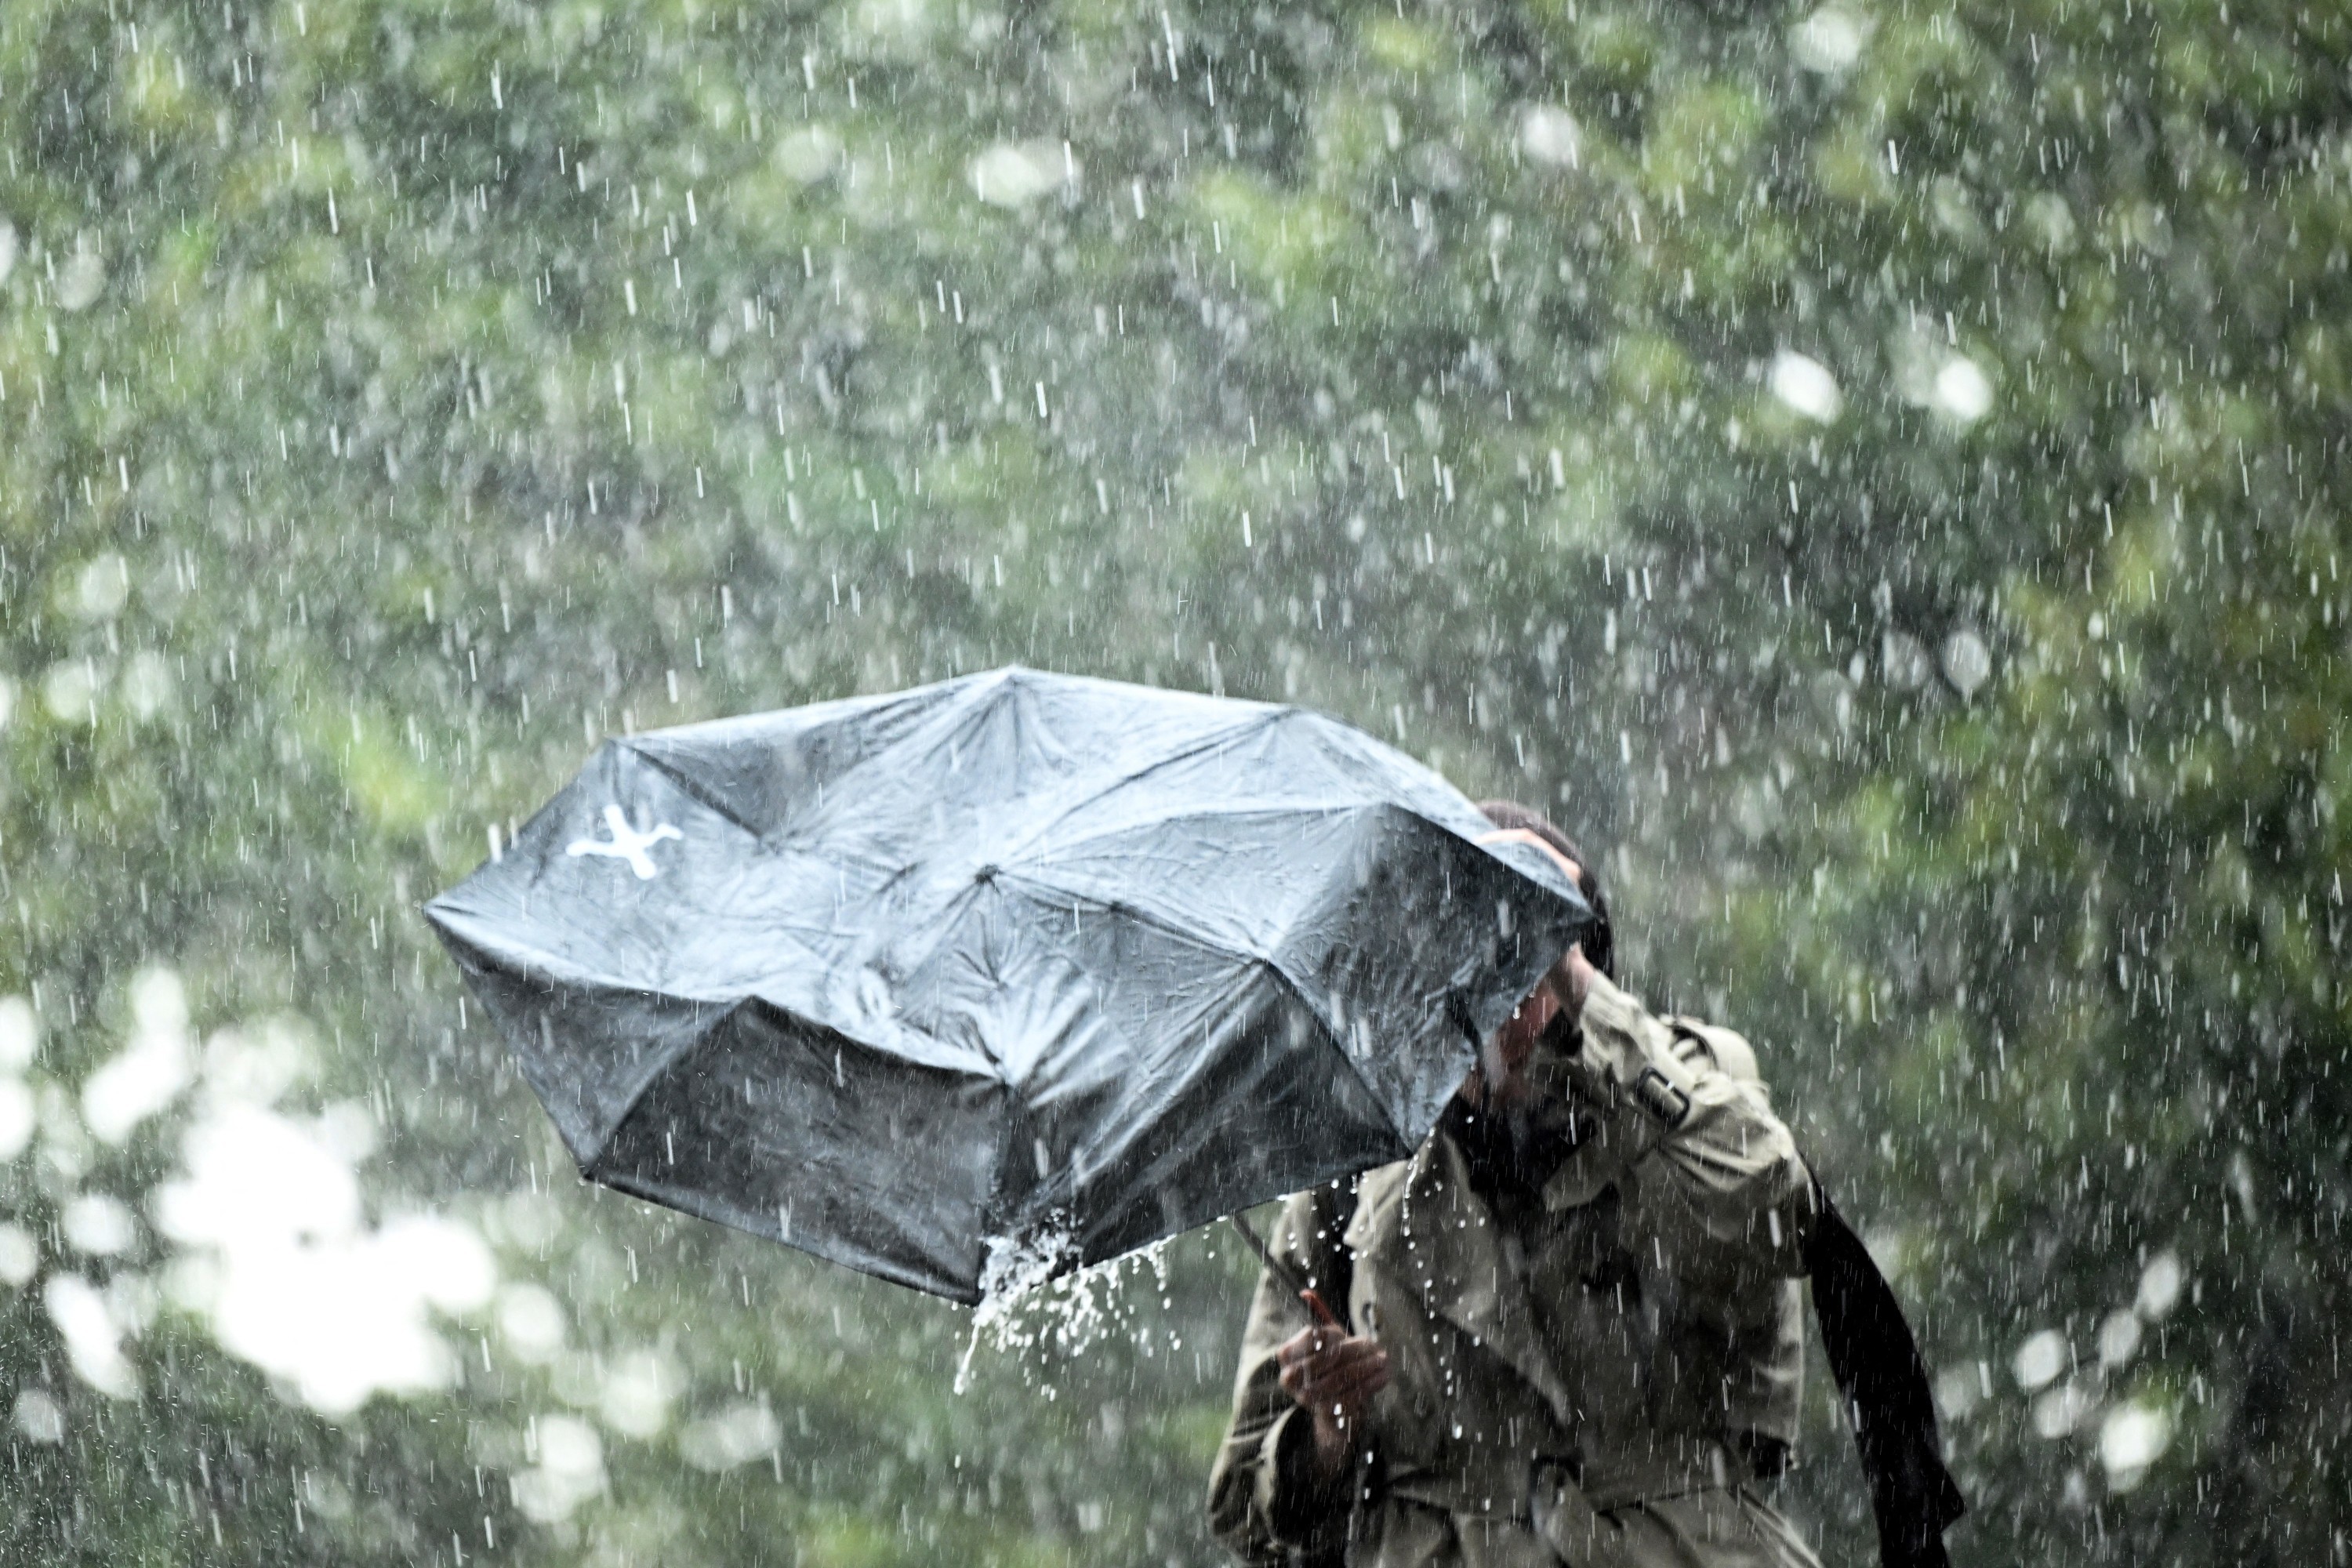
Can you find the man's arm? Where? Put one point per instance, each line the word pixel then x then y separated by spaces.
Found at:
pixel 1273 1488
pixel 1711 1173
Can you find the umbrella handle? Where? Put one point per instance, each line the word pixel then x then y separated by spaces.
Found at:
pixel 1288 1275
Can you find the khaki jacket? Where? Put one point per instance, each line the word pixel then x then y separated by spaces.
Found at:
pixel 1596 1375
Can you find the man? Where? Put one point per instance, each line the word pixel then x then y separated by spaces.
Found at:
pixel 1570 1328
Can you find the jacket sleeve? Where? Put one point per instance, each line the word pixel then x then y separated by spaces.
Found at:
pixel 1265 1502
pixel 1714 1184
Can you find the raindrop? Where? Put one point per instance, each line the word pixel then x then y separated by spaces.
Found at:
pixel 1968 663
pixel 2041 1358
pixel 1828 41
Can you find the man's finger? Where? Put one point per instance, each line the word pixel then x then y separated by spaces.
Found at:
pixel 1338 1390
pixel 1579 980
pixel 1355 1366
pixel 1307 1344
pixel 1334 1366
pixel 1354 1380
pixel 1361 1390
pixel 1346 1354
pixel 1340 1372
pixel 1339 1361
pixel 1344 1394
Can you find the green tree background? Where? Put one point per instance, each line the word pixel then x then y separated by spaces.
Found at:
pixel 1875 470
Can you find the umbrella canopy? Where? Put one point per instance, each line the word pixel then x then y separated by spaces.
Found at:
pixel 1012 972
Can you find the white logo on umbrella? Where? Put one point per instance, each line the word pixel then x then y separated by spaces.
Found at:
pixel 627 843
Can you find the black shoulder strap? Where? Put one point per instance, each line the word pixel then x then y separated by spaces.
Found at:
pixel 1876 1363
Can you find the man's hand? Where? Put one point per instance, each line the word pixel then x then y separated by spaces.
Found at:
pixel 1332 1376
pixel 1580 982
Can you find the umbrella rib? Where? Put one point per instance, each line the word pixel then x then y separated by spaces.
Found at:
pixel 660 1070
pixel 558 971
pixel 564 972
pixel 1263 960
pixel 687 785
pixel 544 968
pixel 1233 813
pixel 1071 899
pixel 952 702
pixel 1255 721
pixel 1339 1047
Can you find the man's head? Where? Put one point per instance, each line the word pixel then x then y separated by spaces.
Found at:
pixel 1512 817
pixel 1501 1068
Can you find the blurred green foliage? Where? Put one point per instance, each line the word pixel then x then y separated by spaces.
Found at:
pixel 1876 469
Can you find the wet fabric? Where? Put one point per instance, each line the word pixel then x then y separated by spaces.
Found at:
pixel 1015 970
pixel 1582 1371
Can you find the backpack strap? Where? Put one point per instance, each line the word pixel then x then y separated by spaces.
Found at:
pixel 1877 1362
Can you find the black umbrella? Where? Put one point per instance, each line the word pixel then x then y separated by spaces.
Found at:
pixel 1006 974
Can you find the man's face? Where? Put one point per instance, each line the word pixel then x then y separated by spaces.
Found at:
pixel 1504 1062
pixel 1501 1079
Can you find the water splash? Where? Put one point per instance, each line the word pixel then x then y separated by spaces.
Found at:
pixel 1031 1299
pixel 1015 1266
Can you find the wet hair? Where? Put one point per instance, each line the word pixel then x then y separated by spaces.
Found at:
pixel 1599 945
